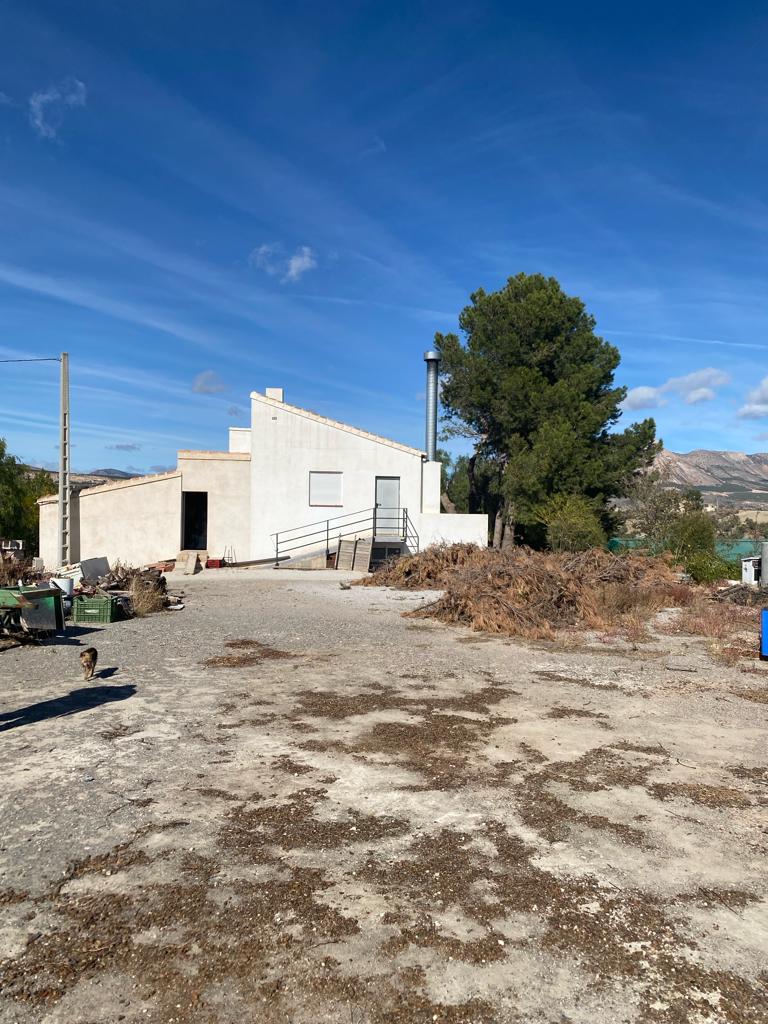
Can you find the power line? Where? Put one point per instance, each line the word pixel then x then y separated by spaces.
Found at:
pixel 42 359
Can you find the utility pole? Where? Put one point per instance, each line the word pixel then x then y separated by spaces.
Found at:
pixel 64 492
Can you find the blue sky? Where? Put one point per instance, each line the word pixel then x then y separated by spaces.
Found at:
pixel 201 199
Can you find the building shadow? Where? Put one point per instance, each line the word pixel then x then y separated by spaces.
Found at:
pixel 85 699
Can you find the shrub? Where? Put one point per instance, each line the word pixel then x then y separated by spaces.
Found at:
pixel 707 567
pixel 571 523
pixel 693 533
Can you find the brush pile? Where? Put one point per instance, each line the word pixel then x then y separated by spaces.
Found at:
pixel 139 591
pixel 429 570
pixel 535 594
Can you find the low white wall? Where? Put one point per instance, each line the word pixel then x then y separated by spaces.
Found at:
pixel 452 529
pixel 49 531
pixel 135 521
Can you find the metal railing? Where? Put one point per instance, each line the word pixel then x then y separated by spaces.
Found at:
pixel 378 522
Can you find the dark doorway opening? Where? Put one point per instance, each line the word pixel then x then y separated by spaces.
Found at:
pixel 194 520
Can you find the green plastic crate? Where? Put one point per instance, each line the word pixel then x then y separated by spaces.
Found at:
pixel 94 609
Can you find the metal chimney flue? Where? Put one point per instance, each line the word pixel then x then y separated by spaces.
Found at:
pixel 432 359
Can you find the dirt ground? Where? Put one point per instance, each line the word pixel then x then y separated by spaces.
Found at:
pixel 364 818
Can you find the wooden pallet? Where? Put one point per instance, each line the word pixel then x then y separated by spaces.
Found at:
pixel 345 556
pixel 362 559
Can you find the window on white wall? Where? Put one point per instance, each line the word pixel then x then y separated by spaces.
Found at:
pixel 325 488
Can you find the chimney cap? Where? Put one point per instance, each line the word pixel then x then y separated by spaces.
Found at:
pixel 431 357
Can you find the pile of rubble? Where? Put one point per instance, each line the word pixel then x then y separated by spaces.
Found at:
pixel 138 591
pixel 34 603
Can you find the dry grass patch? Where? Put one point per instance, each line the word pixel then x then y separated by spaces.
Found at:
pixel 714 619
pixel 706 796
pixel 254 652
pixel 756 696
pixel 565 712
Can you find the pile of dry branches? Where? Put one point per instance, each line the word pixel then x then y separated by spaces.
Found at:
pixel 534 594
pixel 429 570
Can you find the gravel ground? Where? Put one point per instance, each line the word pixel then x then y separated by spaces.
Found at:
pixel 371 818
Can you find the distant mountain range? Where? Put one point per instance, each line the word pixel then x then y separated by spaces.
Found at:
pixel 731 477
pixel 113 474
pixel 92 479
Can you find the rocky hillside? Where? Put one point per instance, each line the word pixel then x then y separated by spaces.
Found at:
pixel 731 476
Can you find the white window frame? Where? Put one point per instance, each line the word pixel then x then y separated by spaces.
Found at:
pixel 326 473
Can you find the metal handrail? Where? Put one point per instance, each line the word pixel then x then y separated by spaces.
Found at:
pixel 369 519
pixel 330 519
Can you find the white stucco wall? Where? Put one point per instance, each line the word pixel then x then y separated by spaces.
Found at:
pixel 430 495
pixel 288 443
pixel 226 477
pixel 135 521
pixel 132 521
pixel 451 529
pixel 49 531
pixel 240 439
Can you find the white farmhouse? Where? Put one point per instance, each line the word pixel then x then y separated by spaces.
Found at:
pixel 289 487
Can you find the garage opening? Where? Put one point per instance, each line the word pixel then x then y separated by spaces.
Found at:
pixel 194 520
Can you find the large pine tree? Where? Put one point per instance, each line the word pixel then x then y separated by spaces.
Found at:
pixel 533 385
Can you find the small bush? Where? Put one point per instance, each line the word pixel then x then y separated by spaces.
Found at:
pixel 707 567
pixel 692 534
pixel 571 523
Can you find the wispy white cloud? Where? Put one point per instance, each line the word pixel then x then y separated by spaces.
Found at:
pixel 301 261
pixel 5 100
pixel 48 106
pixel 684 337
pixel 271 258
pixel 208 383
pixel 756 405
pixel 693 388
pixel 77 295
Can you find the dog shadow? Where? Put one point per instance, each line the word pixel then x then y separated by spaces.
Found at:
pixel 85 699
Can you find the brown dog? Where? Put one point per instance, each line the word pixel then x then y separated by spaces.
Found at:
pixel 88 659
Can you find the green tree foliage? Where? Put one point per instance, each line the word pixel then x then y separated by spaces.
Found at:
pixel 532 384
pixel 654 508
pixel 755 529
pixel 571 523
pixel 728 526
pixel 19 491
pixel 482 492
pixel 691 533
